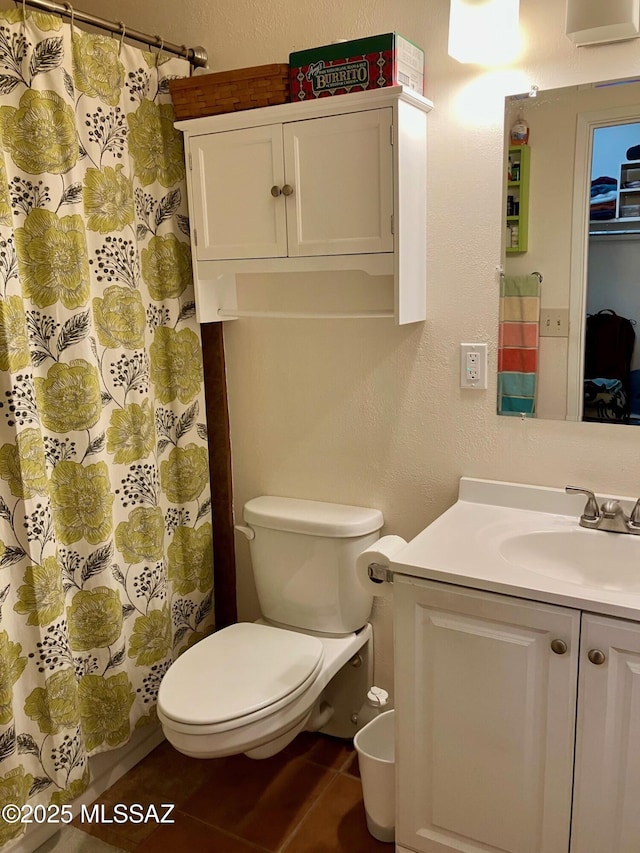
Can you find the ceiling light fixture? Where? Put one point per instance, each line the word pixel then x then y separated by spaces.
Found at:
pixel 484 32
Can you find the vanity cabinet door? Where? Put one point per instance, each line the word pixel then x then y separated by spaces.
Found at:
pixel 485 720
pixel 340 169
pixel 235 214
pixel 607 780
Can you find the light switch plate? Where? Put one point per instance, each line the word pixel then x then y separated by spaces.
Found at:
pixel 554 323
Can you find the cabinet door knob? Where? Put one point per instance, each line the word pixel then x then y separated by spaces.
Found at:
pixel 596 656
pixel 559 647
pixel 287 189
pixel 275 191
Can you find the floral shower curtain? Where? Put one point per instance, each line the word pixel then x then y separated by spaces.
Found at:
pixel 105 531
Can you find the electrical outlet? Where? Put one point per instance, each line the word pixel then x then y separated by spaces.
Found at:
pixel 473 366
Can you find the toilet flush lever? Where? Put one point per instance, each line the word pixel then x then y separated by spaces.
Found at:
pixel 249 532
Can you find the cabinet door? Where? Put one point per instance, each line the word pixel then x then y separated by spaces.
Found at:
pixel 607 782
pixel 486 719
pixel 341 171
pixel 235 214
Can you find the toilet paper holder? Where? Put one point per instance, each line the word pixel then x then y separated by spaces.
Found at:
pixel 379 573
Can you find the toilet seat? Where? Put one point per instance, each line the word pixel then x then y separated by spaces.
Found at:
pixel 238 675
pixel 268 729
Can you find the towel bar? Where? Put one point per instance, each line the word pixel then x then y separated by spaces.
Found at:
pixel 540 277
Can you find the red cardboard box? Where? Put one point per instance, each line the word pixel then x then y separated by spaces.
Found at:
pixel 354 66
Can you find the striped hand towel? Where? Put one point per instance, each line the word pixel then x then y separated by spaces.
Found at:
pixel 519 332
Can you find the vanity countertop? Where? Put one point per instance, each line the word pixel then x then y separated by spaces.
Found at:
pixel 526 541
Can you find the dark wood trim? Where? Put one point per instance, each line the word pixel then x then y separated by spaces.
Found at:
pixel 224 555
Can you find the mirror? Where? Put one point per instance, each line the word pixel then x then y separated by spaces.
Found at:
pixel 572 214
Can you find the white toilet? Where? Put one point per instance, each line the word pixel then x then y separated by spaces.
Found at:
pixel 306 664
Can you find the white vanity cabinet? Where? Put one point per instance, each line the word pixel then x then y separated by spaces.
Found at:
pixel 492 693
pixel 486 717
pixel 334 184
pixel 606 811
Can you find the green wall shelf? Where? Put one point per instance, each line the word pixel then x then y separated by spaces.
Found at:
pixel 520 156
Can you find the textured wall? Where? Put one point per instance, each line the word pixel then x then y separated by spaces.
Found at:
pixel 360 411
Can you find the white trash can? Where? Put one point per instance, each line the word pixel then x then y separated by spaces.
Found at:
pixel 375 745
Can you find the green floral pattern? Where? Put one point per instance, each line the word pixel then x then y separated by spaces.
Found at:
pixel 95 618
pixel 155 144
pixel 185 474
pixel 120 318
pixel 15 787
pixel 97 70
pixel 176 364
pixel 52 258
pixel 108 199
pixel 104 707
pixel 41 597
pixel 43 21
pixel 106 558
pixel 191 559
pixel 69 398
pixel 14 339
pixel 132 434
pixel 81 502
pixel 69 794
pixel 54 706
pixel 151 638
pixel 23 465
pixel 166 267
pixel 12 663
pixel 141 538
pixel 40 133
pixel 5 197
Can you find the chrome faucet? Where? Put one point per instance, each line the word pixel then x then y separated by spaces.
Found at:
pixel 610 516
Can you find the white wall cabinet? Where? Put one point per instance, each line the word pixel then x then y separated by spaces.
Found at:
pixel 304 188
pixel 492 693
pixel 234 213
pixel 334 184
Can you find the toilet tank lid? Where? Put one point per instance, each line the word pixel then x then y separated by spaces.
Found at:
pixel 315 518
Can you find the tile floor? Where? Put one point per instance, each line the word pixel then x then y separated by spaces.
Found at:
pixel 306 799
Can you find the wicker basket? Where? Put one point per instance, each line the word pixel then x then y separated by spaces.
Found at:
pixel 228 91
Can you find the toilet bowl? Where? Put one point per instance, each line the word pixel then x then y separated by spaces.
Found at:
pixel 263 686
pixel 306 664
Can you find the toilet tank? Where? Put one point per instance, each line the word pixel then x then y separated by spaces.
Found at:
pixel 304 555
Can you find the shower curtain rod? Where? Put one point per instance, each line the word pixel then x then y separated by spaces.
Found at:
pixel 197 56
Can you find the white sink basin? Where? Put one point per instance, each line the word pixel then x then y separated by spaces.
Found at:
pixel 590 558
pixel 526 541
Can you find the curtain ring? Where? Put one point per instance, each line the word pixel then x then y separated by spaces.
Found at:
pixel 186 56
pixel 71 14
pixel 185 51
pixel 122 35
pixel 161 40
